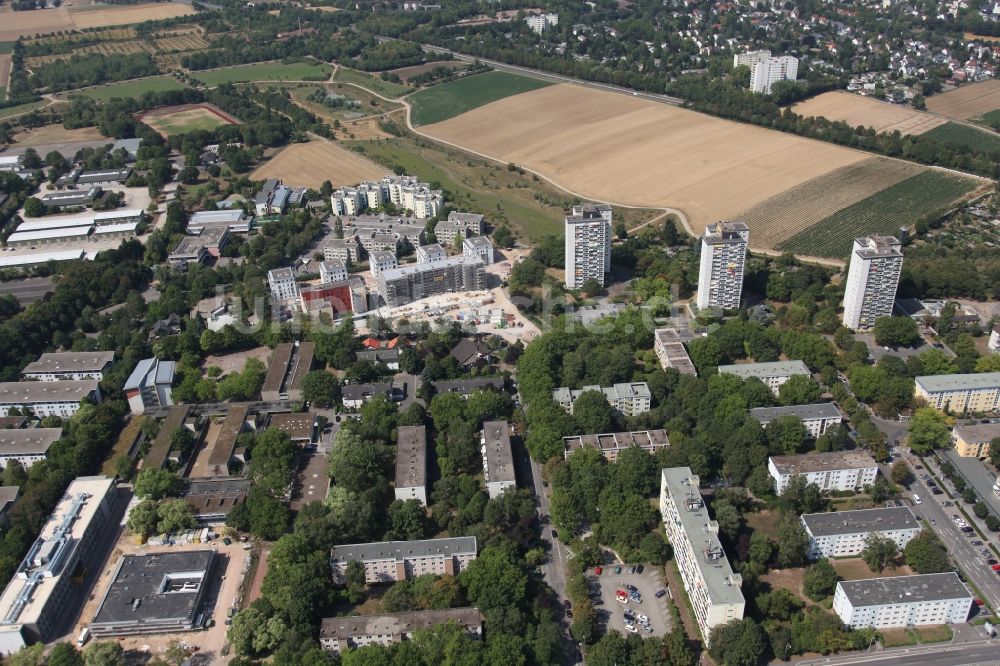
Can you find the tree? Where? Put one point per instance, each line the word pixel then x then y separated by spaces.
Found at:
pixel 793 542
pixel 320 388
pixel 33 655
pixel 64 654
pixel 926 554
pixel 929 429
pixel 356 464
pixel 729 518
pixel 994 453
pixel 879 551
pixel 799 390
pixel 104 653
pixel 158 483
pixel 896 332
pixel 820 579
pixel 593 413
pixel 786 435
pixel 253 633
pixel 407 521
pixel 33 207
pixel 354 577
pixel 901 473
pixel 738 643
pixel 175 516
pixel 142 519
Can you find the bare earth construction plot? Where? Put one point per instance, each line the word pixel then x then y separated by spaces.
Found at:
pixel 856 110
pixel 309 164
pixel 626 150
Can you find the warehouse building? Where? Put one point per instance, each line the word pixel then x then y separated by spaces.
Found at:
pixel 903 601
pixel 389 561
pixel 71 198
pixel 846 533
pixel 49 236
pixel 235 220
pixel 337 634
pixel 119 216
pixel 56 366
pixel 60 398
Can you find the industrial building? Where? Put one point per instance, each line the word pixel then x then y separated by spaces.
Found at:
pixel 876 264
pixel 498 458
pixel 389 561
pixel 149 385
pixel 977 392
pixel 38 599
pixel 406 284
pixel 289 365
pixel 671 352
pixel 60 398
pixel 56 366
pixel 773 373
pixel 723 261
pixel 816 418
pixel 709 580
pixel 846 533
pixel 71 198
pixel 834 471
pixel 27 446
pixel 631 399
pixel 411 463
pixel 155 593
pixel 337 634
pixel 903 601
pixel 613 443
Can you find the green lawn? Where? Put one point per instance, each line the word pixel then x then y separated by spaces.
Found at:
pixel 448 100
pixel 991 119
pixel 20 108
pixel 964 137
pixel 132 88
pixel 927 195
pixel 384 88
pixel 266 71
pixel 6 47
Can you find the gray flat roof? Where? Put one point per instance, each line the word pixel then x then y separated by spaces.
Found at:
pixel 982 432
pixel 905 589
pixel 771 369
pixel 615 441
pixel 717 573
pixel 820 410
pixel 361 391
pixel 70 390
pixel 499 456
pixel 411 456
pixel 231 428
pixel 481 242
pixel 821 462
pixel 28 441
pixel 468 386
pixel 397 624
pixel 43 234
pixel 940 383
pixel 278 367
pixel 677 356
pixel 863 520
pixel 414 269
pixel 399 550
pixel 298 425
pixel 70 362
pixel 157 582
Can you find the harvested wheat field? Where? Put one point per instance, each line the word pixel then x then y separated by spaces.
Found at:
pixel 966 102
pixel 779 218
pixel 309 164
pixel 857 110
pixel 49 134
pixel 621 149
pixel 97 16
pixel 35 22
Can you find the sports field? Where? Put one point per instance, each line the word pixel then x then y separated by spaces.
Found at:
pixel 968 101
pixel 265 71
pixel 856 110
pixel 441 102
pixel 187 118
pixel 309 164
pixel 132 88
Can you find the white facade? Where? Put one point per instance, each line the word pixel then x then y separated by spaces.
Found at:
pixel 149 385
pixel 389 561
pixel 765 73
pixel 835 471
pixel 846 533
pixel 332 270
pixel 588 246
pixel 282 284
pixel 56 366
pixel 541 22
pixel 61 398
pixel 380 261
pixel 903 601
pixel 816 418
pixel 772 373
pixel 876 263
pixel 427 254
pixel 479 245
pixel 994 343
pixel 630 399
pixel 750 58
pixel 723 261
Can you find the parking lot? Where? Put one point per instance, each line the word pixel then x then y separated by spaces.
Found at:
pixel 610 611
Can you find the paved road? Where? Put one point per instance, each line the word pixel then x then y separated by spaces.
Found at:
pixel 982 653
pixel 977 475
pixel 28 290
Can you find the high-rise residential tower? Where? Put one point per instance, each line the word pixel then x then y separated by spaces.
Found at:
pixel 876 263
pixel 723 259
pixel 588 244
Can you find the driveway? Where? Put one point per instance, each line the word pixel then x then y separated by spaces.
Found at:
pixel 611 611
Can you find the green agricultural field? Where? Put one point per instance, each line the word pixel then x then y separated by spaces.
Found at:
pixel 448 100
pixel 927 195
pixel 384 88
pixel 265 71
pixel 964 137
pixel 20 108
pixel 991 119
pixel 6 47
pixel 132 88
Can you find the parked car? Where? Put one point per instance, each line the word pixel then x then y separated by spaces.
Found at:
pixel 566 604
pixel 598 571
pixel 648 629
pixel 946 503
pixel 631 628
pixel 555 534
pixel 629 616
pixel 995 567
pixel 621 596
pixel 631 569
pixel 636 597
pixel 642 618
pixel 992 560
pixel 631 588
pixel 977 542
pixel 639 568
pixel 618 570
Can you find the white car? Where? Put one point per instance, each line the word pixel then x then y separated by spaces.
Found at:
pixel 631 628
pixel 642 618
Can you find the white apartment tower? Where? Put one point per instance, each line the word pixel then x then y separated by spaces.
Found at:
pixel 282 284
pixel 588 245
pixel 750 58
pixel 876 263
pixel 723 259
pixel 768 71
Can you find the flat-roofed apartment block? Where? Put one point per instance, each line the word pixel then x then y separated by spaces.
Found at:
pixel 406 284
pixel 149 385
pixel 411 463
pixel 26 446
pixel 709 580
pixel 479 246
pixel 498 458
pixel 458 225
pixel 290 363
pixel 670 351
pixel 155 594
pixel 389 561
pixel 978 392
pixel 846 533
pixel 213 498
pixel 610 444
pixel 876 263
pixel 973 441
pixel 427 254
pixel 903 601
pixel 61 398
pixel 816 418
pixel 381 260
pixel 588 245
pixel 40 596
pixel 337 634
pixel 467 387
pixel 281 282
pixel 772 373
pixel 56 366
pixel 299 426
pixel 723 259
pixel 407 229
pixel 332 270
pixel 345 250
pixel 834 471
pixel 631 398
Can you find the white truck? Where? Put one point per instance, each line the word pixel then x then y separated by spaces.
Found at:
pixel 990 630
pixel 84 637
